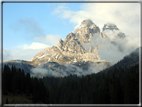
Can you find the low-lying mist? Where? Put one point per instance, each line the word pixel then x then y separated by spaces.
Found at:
pixel 69 69
pixel 113 48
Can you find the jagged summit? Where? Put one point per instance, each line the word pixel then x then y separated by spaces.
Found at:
pixel 87 22
pixel 110 26
pixel 86 27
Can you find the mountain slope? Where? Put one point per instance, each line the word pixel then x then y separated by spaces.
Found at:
pixel 128 60
pixel 131 59
pixel 20 64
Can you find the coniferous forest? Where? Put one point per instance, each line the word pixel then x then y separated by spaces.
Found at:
pixel 115 86
pixel 26 89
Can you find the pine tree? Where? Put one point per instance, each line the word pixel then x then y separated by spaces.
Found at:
pixel 6 101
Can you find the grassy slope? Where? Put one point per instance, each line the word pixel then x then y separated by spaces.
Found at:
pixel 17 99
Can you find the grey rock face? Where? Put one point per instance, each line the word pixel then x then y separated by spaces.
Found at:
pixel 74 46
pixel 110 26
pixel 60 44
pixel 69 37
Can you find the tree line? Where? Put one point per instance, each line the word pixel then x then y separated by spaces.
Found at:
pixel 17 82
pixel 115 86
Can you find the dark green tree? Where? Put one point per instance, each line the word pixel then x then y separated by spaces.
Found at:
pixel 6 101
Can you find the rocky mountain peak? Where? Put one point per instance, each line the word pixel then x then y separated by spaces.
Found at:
pixel 60 40
pixel 110 26
pixel 60 44
pixel 86 27
pixel 69 37
pixel 87 22
pixel 80 45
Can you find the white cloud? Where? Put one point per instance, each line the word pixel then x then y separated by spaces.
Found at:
pixel 35 46
pixel 24 52
pixel 41 72
pixel 50 39
pixel 6 54
pixel 125 15
pixel 59 8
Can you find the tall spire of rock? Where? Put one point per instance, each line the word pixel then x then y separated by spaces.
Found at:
pixel 60 44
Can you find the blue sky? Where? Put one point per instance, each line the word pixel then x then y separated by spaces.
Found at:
pixel 24 21
pixel 30 27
